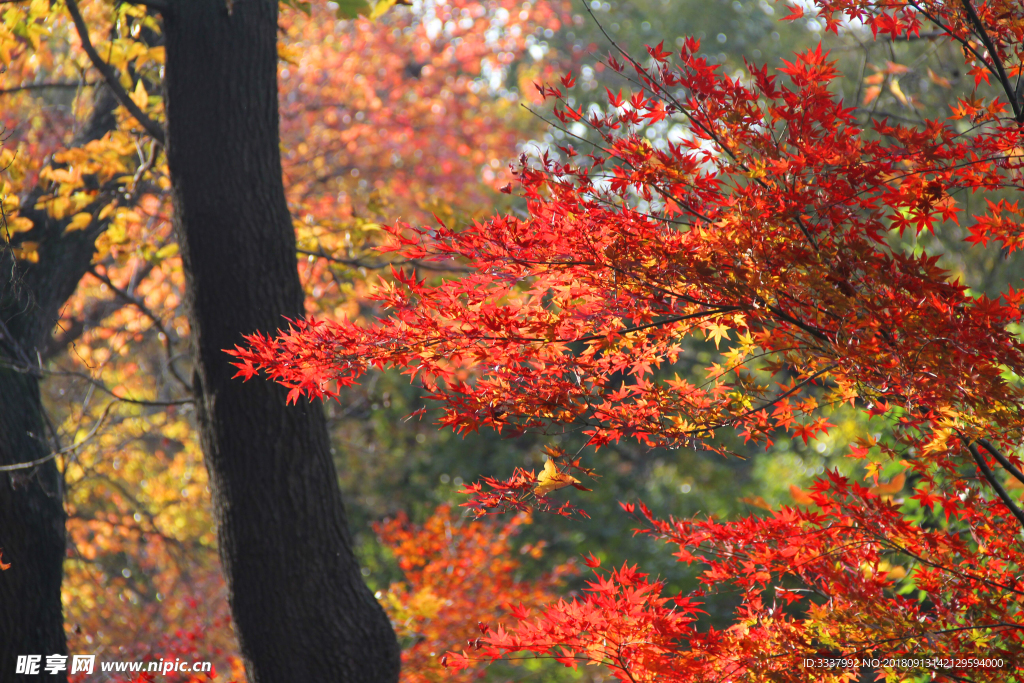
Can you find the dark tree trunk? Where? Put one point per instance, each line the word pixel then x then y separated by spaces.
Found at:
pixel 31 529
pixel 31 497
pixel 301 609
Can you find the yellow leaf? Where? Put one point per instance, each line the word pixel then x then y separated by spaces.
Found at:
pixel 894 88
pixel 26 251
pixel 19 224
pixel 287 53
pixel 717 331
pixel 550 479
pixel 167 251
pixel 59 206
pixel 80 221
pixel 381 7
pixel 896 573
pixel 140 96
pixel 107 210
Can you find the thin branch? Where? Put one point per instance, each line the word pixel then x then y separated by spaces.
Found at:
pixel 102 387
pixel 157 322
pixel 62 451
pixel 991 478
pixel 156 5
pixel 1004 80
pixel 1003 460
pixel 945 568
pixel 46 86
pixel 359 263
pixel 29 464
pixel 154 129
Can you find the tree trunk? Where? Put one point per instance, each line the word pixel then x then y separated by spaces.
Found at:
pixel 301 609
pixel 31 529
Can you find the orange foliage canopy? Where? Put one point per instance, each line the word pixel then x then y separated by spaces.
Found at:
pixel 767 227
pixel 452 566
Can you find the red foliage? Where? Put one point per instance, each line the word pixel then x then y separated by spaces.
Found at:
pixel 765 228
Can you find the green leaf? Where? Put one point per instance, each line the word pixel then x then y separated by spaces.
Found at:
pixel 303 7
pixel 350 9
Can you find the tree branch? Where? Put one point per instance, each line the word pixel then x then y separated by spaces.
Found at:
pixel 1003 460
pixel 1004 80
pixel 991 478
pixel 359 263
pixel 154 129
pixel 156 5
pixel 45 86
pixel 128 297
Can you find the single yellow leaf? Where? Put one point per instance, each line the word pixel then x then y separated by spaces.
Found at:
pixel 381 7
pixel 140 96
pixel 550 479
pixel 717 331
pixel 894 88
pixel 107 210
pixel 18 224
pixel 80 221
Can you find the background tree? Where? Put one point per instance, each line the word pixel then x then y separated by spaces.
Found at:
pixel 141 547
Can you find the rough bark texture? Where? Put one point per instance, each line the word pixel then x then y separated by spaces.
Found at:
pixel 301 609
pixel 31 499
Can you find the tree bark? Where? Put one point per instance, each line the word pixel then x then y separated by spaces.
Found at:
pixel 301 608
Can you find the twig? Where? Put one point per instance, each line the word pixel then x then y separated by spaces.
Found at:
pixel 45 86
pixel 62 451
pixel 359 263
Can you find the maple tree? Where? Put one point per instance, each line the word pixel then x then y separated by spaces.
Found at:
pixel 768 227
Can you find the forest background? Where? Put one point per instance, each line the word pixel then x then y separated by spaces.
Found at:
pixel 412 114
